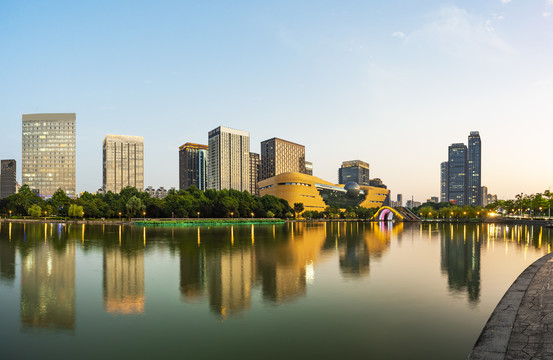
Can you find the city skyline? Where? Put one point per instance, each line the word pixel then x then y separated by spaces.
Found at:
pixel 393 93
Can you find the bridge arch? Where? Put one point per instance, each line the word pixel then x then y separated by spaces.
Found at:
pixel 386 213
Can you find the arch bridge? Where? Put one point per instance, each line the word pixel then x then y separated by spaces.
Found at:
pixel 387 213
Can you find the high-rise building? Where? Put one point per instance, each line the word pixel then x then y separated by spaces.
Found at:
pixel 280 156
pixel 48 156
pixel 399 200
pixel 193 166
pixel 474 169
pixel 356 171
pixel 309 168
pixel 255 163
pixel 8 184
pixel 229 159
pixel 484 195
pixel 434 199
pixel 444 175
pixel 457 174
pixel 123 162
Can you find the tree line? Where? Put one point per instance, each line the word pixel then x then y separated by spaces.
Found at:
pixel 131 203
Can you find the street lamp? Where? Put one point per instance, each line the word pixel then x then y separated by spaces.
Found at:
pixel 45 215
pixel 119 215
pixel 252 214
pixel 10 213
pixel 144 215
pixel 198 213
pixel 231 214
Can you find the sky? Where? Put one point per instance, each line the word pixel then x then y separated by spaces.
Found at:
pixel 392 83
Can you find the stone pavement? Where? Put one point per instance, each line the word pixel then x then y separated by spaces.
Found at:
pixel 521 326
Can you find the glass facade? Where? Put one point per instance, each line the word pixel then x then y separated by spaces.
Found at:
pixel 356 171
pixel 48 156
pixel 255 164
pixel 339 197
pixel 193 166
pixel 474 167
pixel 443 181
pixel 457 174
pixel 123 162
pixel 8 183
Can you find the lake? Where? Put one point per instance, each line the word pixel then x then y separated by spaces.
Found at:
pixel 296 291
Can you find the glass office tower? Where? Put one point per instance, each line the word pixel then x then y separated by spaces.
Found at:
pixel 457 177
pixel 474 169
pixel 48 154
pixel 356 171
pixel 123 162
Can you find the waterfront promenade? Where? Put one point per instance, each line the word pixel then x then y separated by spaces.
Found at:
pixel 521 326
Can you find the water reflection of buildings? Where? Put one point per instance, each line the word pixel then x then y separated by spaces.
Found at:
pixel 460 253
pixel 228 266
pixel 359 242
pixel 48 286
pixel 7 260
pixel 124 278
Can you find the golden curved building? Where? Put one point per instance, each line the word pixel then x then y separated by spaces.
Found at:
pixel 316 194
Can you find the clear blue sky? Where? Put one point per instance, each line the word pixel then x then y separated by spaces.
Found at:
pixel 392 82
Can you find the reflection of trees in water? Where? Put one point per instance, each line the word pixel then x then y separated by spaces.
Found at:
pixel 460 253
pixel 7 260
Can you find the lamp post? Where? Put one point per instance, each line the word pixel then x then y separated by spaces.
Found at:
pixel 119 215
pixel 45 215
pixel 10 214
pixel 144 215
pixel 252 214
pixel 198 213
pixel 231 214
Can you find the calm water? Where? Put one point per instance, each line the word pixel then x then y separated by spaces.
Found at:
pixel 295 291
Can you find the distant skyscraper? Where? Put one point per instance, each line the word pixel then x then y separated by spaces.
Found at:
pixel 399 200
pixel 444 175
pixel 229 159
pixel 434 199
pixel 356 171
pixel 8 184
pixel 484 195
pixel 457 174
pixel 193 166
pixel 474 169
pixel 281 156
pixel 255 163
pixel 309 168
pixel 48 156
pixel 123 162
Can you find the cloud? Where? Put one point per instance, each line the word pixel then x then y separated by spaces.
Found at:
pixel 548 8
pixel 398 34
pixel 505 1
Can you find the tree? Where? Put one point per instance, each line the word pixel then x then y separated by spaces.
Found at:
pixel 270 214
pixel 34 211
pixel 298 208
pixel 135 207
pixel 75 211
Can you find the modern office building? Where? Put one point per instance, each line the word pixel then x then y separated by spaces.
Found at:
pixel 434 199
pixel 123 162
pixel 457 174
pixel 229 159
pixel 8 183
pixel 316 194
pixel 399 200
pixel 281 156
pixel 308 168
pixel 484 195
pixel 255 164
pixel 461 176
pixel 48 154
pixel 193 166
pixel 444 174
pixel 377 182
pixel 354 170
pixel 474 169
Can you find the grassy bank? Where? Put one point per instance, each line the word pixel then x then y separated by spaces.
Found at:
pixel 196 222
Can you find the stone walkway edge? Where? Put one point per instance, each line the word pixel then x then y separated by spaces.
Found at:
pixel 493 342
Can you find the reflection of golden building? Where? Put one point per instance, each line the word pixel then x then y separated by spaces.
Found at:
pixel 231 276
pixel 123 280
pixel 48 287
pixel 286 266
pixel 317 194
